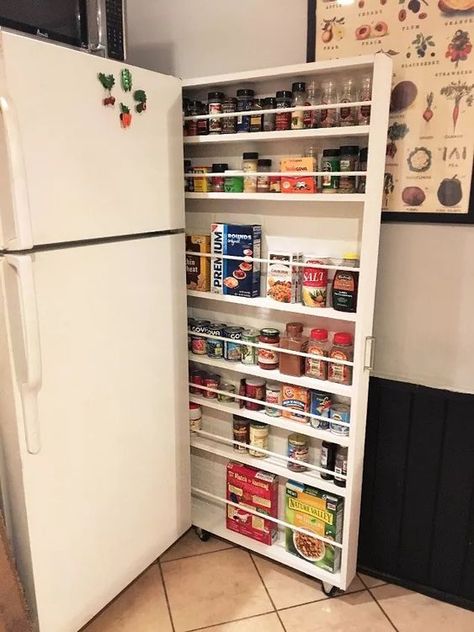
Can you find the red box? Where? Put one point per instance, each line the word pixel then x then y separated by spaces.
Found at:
pixel 256 490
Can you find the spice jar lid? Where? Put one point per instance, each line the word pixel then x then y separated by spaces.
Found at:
pixel 352 256
pixel 273 386
pixel 331 152
pixel 319 334
pixel 299 86
pixel 219 167
pixel 363 154
pixel 255 381
pixel 294 329
pixel 250 333
pixel 258 424
pixel 342 338
pixel 297 438
pixel 269 102
pixel 215 95
pixel 265 162
pixel 250 155
pixel 245 92
pixel 350 149
pixel 230 100
pixel 270 332
pixel 284 94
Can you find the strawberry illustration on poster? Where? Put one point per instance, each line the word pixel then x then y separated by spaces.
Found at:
pixel 429 146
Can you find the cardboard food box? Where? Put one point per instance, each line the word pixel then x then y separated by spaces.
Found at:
pixel 256 490
pixel 319 512
pixel 295 398
pixel 236 277
pixel 198 269
pixel 283 277
pixel 298 184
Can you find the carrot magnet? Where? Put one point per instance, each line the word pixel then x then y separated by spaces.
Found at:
pixel 125 116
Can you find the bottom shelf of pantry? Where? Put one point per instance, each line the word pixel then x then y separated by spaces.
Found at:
pixel 211 516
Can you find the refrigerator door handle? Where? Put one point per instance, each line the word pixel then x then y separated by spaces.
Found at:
pixel 30 382
pixel 22 238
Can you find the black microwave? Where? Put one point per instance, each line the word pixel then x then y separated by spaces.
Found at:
pixel 95 25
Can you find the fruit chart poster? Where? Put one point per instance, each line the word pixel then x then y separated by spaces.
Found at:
pixel 429 159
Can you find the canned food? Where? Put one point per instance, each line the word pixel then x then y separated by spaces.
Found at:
pixel 197 377
pixel 195 417
pixel 211 381
pixel 254 388
pixel 228 388
pixel 273 396
pixel 190 326
pixel 232 350
pixel 215 348
pixel 249 353
pixel 240 427
pixel 258 438
pixel 298 448
pixel 198 343
pixel 320 405
pixel 340 412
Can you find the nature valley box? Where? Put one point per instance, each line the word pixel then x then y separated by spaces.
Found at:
pixel 317 511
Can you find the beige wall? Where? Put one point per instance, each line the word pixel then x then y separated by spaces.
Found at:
pixel 425 293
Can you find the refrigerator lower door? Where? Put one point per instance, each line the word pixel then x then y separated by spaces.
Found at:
pixel 93 418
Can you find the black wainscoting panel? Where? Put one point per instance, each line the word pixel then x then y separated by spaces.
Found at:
pixel 417 515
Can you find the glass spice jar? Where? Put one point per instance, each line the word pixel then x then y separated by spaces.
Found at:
pixel 283 119
pixel 348 161
pixel 250 164
pixel 256 119
pixel 330 162
pixel 263 181
pixel 188 182
pixel 361 180
pixel 229 123
pixel 347 114
pixel 298 99
pixel 328 117
pixel 267 358
pixel 202 124
pixel 194 109
pixel 244 104
pixel 365 95
pixel 341 349
pixel 217 183
pixel 269 103
pixel 214 106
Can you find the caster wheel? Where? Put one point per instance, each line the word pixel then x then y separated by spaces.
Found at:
pixel 328 590
pixel 202 535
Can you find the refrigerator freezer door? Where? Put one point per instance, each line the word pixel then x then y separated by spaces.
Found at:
pixel 69 170
pixel 105 489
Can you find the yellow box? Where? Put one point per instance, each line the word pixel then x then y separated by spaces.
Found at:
pixel 298 184
pixel 198 269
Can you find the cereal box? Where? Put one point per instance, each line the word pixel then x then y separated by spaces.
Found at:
pixel 298 184
pixel 236 277
pixel 295 398
pixel 284 278
pixel 317 511
pixel 198 268
pixel 257 490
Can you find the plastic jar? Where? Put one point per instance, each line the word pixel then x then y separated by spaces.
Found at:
pixel 233 181
pixel 255 389
pixel 240 429
pixel 267 358
pixel 229 124
pixel 293 340
pixel 244 104
pixel 269 119
pixel 195 417
pixel 318 345
pixel 273 396
pixel 263 181
pixel 217 183
pixel 341 349
pixel 250 163
pixel 283 119
pixel 214 106
pixel 330 162
pixel 349 160
pixel 258 438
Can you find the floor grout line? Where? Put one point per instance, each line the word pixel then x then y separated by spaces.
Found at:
pixel 216 625
pixel 383 611
pixel 267 591
pixel 166 596
pixel 187 557
pixel 307 603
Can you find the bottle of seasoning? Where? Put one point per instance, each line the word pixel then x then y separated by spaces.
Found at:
pixel 347 114
pixel 319 346
pixel 330 162
pixel 188 182
pixel 217 183
pixel 328 117
pixel 233 181
pixel 273 396
pixel 345 284
pixel 362 167
pixel 249 352
pixel 269 103
pixel 240 427
pixel 203 124
pixel 365 95
pixel 256 119
pixel 244 104
pixel 310 117
pixel 250 164
pixel 214 105
pixel 267 358
pixel 298 99
pixel 255 389
pixel 194 109
pixel 293 340
pixel 195 417
pixel 229 124
pixel 349 155
pixel 341 349
pixel 340 466
pixel 327 458
pixel 298 449
pixel 258 439
pixel 283 119
pixel 263 181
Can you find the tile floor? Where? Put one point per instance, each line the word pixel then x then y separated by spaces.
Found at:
pixel 216 587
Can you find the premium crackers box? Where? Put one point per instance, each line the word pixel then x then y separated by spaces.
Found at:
pixel 319 512
pixel 236 277
pixel 198 268
pixel 257 490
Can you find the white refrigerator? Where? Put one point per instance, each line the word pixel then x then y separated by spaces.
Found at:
pixel 93 373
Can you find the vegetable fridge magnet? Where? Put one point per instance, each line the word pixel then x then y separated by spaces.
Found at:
pixel 125 116
pixel 108 82
pixel 140 98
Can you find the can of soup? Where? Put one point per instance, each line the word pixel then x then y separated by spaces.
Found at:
pixel 340 412
pixel 211 381
pixel 232 350
pixel 215 348
pixel 320 405
pixel 248 352
pixel 198 343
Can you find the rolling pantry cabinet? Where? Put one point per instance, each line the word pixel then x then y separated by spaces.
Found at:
pixel 320 224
